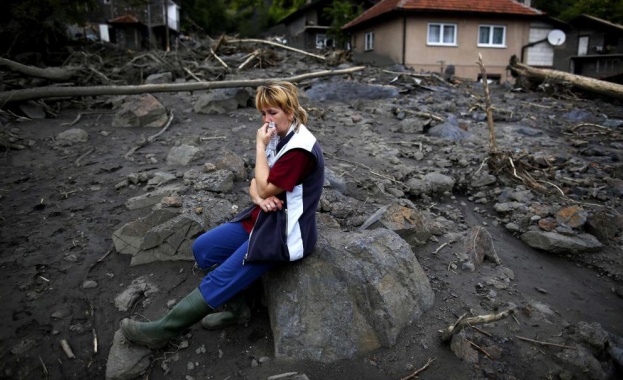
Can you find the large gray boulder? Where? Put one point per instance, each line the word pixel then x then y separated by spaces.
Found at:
pixel 353 295
pixel 140 111
pixel 163 235
pixel 558 243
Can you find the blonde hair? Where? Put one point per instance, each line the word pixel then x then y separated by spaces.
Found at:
pixel 282 95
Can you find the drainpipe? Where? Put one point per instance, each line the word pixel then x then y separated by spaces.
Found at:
pixel 166 26
pixel 404 38
pixel 523 48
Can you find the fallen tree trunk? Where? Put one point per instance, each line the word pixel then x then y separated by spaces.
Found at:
pixel 56 74
pixel 584 83
pixel 61 92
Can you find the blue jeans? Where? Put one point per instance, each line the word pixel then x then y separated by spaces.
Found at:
pixel 226 246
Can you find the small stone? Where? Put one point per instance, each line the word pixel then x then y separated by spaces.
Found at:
pixel 171 202
pixel 264 359
pixel 121 185
pixel 89 284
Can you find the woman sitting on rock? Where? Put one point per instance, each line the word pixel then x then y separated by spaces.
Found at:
pixel 280 226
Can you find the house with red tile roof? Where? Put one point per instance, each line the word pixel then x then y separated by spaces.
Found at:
pixel 448 35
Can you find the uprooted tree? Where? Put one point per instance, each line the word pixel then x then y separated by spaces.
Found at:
pixel 583 83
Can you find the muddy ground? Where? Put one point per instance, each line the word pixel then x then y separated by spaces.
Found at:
pixel 59 208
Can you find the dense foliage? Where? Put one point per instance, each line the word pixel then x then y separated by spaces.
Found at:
pixel 341 12
pixel 244 17
pixel 611 10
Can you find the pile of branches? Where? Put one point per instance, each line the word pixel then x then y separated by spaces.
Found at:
pixel 100 64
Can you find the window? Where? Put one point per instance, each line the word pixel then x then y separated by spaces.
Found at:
pixel 492 35
pixel 583 45
pixel 369 45
pixel 322 41
pixel 442 34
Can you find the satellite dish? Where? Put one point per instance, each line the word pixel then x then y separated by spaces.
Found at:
pixel 556 37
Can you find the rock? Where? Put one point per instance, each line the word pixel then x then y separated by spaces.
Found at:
pixel 335 181
pixel 128 239
pixel 233 162
pixel 161 178
pixel 151 198
pixel 353 295
pixel 72 136
pixel 140 111
pixel 557 243
pixel 573 216
pixel 417 187
pixel 183 155
pixel 616 186
pixel 89 284
pixel 220 181
pixel 462 349
pixel 482 179
pixel 164 235
pixel 581 361
pixel 411 125
pixel 344 91
pixel 171 240
pixel 590 333
pixel 221 101
pixel 449 130
pixel 478 244
pixel 159 78
pixel 579 116
pixel 438 183
pixel 508 206
pixel 613 123
pixel 138 288
pixel 171 202
pixel 32 109
pixel 410 224
pixel 605 225
pixel 126 361
pixel 547 224
pixel 23 347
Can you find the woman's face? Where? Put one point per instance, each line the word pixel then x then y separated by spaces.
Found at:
pixel 279 117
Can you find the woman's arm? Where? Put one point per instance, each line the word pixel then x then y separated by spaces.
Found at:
pixel 264 188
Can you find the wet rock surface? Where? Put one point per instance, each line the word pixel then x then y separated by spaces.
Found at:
pixel 485 239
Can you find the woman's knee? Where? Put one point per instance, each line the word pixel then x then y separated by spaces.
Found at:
pixel 202 247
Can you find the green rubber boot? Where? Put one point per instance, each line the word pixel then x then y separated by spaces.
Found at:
pixel 236 312
pixel 156 334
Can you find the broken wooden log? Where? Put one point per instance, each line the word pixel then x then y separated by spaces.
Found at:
pixel 56 92
pixel 464 321
pixel 581 82
pixel 56 74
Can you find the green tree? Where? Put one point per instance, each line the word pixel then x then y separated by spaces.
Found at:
pixel 211 16
pixel 340 13
pixel 282 8
pixel 552 7
pixel 611 10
